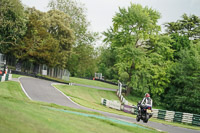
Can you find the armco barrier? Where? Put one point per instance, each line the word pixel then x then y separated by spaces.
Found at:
pixel 157 113
pixel 111 104
pixel 166 115
pixel 178 117
pixel 135 111
pixel 128 109
pixel 103 101
pixel 161 114
pixel 115 105
pixel 5 77
pixel 187 118
pixel 10 77
pixel 169 116
pixel 196 120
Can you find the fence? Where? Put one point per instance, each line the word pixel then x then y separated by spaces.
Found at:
pixel 166 115
pixel 54 72
pixel 5 77
pixel 119 93
pixel 33 68
pixel 46 71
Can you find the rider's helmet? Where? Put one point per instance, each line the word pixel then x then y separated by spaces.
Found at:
pixel 147 95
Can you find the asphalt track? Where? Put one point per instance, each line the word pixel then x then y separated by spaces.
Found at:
pixel 42 90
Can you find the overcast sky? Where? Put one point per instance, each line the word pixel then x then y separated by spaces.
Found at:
pixel 100 12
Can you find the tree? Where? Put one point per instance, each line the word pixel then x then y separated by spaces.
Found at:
pixel 179 43
pixel 12 24
pixel 57 24
pixel 37 46
pixel 81 64
pixel 131 28
pixel 106 62
pixel 83 61
pixel 78 22
pixel 188 26
pixel 183 31
pixel 48 39
pixel 184 90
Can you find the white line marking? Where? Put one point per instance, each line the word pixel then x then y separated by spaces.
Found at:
pixel 66 95
pixel 23 88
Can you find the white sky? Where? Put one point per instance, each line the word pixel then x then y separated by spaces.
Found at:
pixel 100 12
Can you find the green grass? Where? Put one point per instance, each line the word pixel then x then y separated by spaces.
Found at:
pixel 16 75
pixel 92 83
pixel 20 115
pixel 133 99
pixel 91 98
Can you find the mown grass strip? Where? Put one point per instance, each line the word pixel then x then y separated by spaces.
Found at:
pixel 91 98
pixel 92 83
pixel 19 114
pixel 98 117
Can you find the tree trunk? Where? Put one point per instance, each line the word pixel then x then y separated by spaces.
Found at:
pixel 35 68
pixel 18 66
pixel 128 90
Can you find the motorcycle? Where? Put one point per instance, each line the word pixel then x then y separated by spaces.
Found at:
pixel 146 114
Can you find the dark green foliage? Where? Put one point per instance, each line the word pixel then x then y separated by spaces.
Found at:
pixel 124 77
pixel 188 26
pixel 179 43
pixel 82 62
pixel 166 66
pixel 12 24
pixel 106 62
pixel 184 92
pixel 131 27
pixel 40 44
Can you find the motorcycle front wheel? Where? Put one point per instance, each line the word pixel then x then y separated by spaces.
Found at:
pixel 137 118
pixel 146 118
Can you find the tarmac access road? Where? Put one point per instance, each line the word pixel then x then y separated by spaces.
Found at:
pixel 42 90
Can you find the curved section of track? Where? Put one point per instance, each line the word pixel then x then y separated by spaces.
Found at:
pixel 42 90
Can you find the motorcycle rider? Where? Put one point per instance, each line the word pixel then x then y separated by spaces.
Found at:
pixel 146 102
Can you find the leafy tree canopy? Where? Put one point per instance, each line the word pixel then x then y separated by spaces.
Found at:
pixel 188 26
pixel 48 39
pixel 183 92
pixel 12 23
pixel 132 27
pixel 78 22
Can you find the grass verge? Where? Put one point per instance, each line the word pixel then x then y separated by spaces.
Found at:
pixel 16 75
pixel 91 98
pixel 92 83
pixel 19 114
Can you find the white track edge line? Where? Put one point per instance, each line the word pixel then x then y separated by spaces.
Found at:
pixel 66 95
pixel 23 88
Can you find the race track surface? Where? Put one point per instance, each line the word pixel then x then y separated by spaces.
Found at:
pixel 42 90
